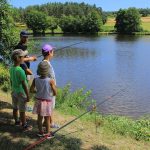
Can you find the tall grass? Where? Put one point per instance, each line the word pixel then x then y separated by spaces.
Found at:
pixel 4 78
pixel 76 102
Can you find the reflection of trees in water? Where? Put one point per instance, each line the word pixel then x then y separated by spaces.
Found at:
pixel 76 52
pixel 127 38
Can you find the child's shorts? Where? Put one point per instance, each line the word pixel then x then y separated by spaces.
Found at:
pixel 18 101
pixel 43 107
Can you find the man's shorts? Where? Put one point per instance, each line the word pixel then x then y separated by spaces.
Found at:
pixel 18 101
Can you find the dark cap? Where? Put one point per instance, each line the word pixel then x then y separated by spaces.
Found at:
pixel 24 33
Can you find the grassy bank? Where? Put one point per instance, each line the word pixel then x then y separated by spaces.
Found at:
pixel 104 132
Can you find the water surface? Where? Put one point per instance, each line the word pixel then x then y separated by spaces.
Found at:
pixel 105 64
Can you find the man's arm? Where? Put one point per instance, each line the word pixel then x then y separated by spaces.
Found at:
pixel 28 71
pixel 32 58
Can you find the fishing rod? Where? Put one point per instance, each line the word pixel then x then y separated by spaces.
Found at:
pixel 64 47
pixel 91 109
pixel 57 130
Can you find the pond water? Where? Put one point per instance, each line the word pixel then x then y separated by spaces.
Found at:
pixel 105 65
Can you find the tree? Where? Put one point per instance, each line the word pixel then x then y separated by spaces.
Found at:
pixel 36 21
pixel 144 12
pixel 8 34
pixel 52 23
pixel 93 22
pixel 128 21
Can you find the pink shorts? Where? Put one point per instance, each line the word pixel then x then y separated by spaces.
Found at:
pixel 43 107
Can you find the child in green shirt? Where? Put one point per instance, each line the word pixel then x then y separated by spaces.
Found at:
pixel 20 92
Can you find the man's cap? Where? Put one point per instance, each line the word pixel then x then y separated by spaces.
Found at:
pixel 43 69
pixel 24 33
pixel 47 48
pixel 19 52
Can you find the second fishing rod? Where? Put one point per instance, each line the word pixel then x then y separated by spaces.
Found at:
pixel 63 48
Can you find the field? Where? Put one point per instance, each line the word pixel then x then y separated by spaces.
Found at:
pixel 109 26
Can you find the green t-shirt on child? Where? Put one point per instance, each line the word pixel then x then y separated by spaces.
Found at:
pixel 17 75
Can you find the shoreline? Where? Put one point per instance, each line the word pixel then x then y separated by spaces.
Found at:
pixel 84 34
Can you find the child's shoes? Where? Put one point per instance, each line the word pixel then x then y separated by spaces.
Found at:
pixel 27 127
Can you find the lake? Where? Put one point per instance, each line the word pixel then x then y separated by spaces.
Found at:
pixel 105 64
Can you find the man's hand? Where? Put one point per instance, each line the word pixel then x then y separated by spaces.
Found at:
pixel 33 58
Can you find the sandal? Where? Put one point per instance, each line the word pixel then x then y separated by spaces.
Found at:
pixel 55 126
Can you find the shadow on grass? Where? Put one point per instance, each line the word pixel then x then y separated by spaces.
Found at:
pixel 12 137
pixel 5 105
pixel 101 147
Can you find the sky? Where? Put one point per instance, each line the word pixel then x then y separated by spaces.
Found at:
pixel 107 5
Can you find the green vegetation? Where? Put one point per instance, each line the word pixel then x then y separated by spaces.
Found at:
pixel 72 102
pixel 4 78
pixel 36 21
pixel 128 21
pixel 75 103
pixel 71 17
pixel 90 24
pixel 8 37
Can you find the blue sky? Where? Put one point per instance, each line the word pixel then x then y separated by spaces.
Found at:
pixel 107 5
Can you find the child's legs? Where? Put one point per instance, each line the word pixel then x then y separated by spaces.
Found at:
pixel 22 108
pixel 47 123
pixel 15 114
pixel 53 106
pixel 39 122
pixel 23 118
pixel 15 106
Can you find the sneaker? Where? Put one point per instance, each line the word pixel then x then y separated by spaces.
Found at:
pixel 55 126
pixel 49 136
pixel 27 127
pixel 40 134
pixel 17 123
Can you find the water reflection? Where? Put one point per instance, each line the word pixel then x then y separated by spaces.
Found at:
pixel 127 38
pixel 75 53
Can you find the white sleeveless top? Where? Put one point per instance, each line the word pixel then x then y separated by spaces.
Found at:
pixel 44 90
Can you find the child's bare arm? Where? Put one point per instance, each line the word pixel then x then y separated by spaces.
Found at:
pixel 54 89
pixel 32 88
pixel 25 89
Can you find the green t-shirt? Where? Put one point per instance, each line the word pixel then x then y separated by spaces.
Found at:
pixel 17 75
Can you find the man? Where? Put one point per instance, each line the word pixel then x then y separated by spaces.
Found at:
pixel 23 46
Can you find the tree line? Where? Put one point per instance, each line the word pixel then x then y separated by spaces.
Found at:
pixel 77 18
pixel 70 17
pixel 144 12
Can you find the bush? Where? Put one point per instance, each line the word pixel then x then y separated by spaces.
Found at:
pixel 138 129
pixel 128 21
pixel 4 78
pixel 76 101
